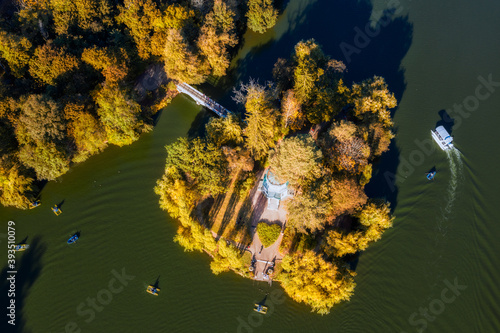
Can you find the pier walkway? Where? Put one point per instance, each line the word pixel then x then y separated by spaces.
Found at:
pixel 202 99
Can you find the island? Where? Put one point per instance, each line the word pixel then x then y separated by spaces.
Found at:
pixel 276 192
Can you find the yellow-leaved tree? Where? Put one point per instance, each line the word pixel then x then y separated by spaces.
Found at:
pixel 320 284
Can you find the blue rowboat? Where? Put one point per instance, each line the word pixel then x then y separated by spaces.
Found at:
pixel 73 239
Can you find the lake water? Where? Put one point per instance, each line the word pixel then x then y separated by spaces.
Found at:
pixel 441 255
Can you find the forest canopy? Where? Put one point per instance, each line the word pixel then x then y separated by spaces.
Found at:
pixel 69 72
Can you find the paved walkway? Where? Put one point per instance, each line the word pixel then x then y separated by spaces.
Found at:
pixel 265 256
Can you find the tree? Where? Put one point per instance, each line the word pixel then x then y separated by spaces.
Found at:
pixel 238 158
pixel 268 234
pixel 310 279
pixel 16 50
pixel 85 130
pixel 323 201
pixel 346 195
pixel 120 115
pixel 16 189
pixel 308 211
pixel 261 120
pixel 373 101
pixel 308 59
pixel 200 164
pixel 374 219
pixel 176 196
pixel 49 63
pixel 139 16
pixel 347 151
pixel 195 238
pixel 48 160
pixel 291 111
pixel 261 15
pixel 379 138
pixel 217 36
pixel 93 15
pixel 375 215
pixel 180 63
pixel 111 63
pixel 226 258
pixel 40 120
pixel 225 131
pixel 297 160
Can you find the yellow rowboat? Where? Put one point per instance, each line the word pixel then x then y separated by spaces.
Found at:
pixel 153 290
pixel 260 308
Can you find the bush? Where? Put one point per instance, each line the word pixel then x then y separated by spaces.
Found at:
pixel 268 234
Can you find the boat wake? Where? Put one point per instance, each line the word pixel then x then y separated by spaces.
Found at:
pixel 456 167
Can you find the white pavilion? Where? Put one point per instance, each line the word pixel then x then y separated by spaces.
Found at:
pixel 274 190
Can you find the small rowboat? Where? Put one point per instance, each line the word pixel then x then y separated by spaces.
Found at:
pixel 73 238
pixel 21 247
pixel 153 290
pixel 430 175
pixel 260 308
pixel 56 210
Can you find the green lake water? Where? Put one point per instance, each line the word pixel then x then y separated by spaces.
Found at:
pixel 433 56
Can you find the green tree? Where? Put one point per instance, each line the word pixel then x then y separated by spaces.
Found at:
pixel 297 160
pixel 262 121
pixel 261 15
pixel 320 284
pixel 48 160
pixel 308 59
pixel 226 258
pixel 120 115
pixel 225 131
pixel 268 233
pixel 201 164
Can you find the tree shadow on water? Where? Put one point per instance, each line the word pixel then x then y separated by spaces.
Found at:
pixel 29 267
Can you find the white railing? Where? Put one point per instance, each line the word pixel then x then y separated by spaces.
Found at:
pixel 202 99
